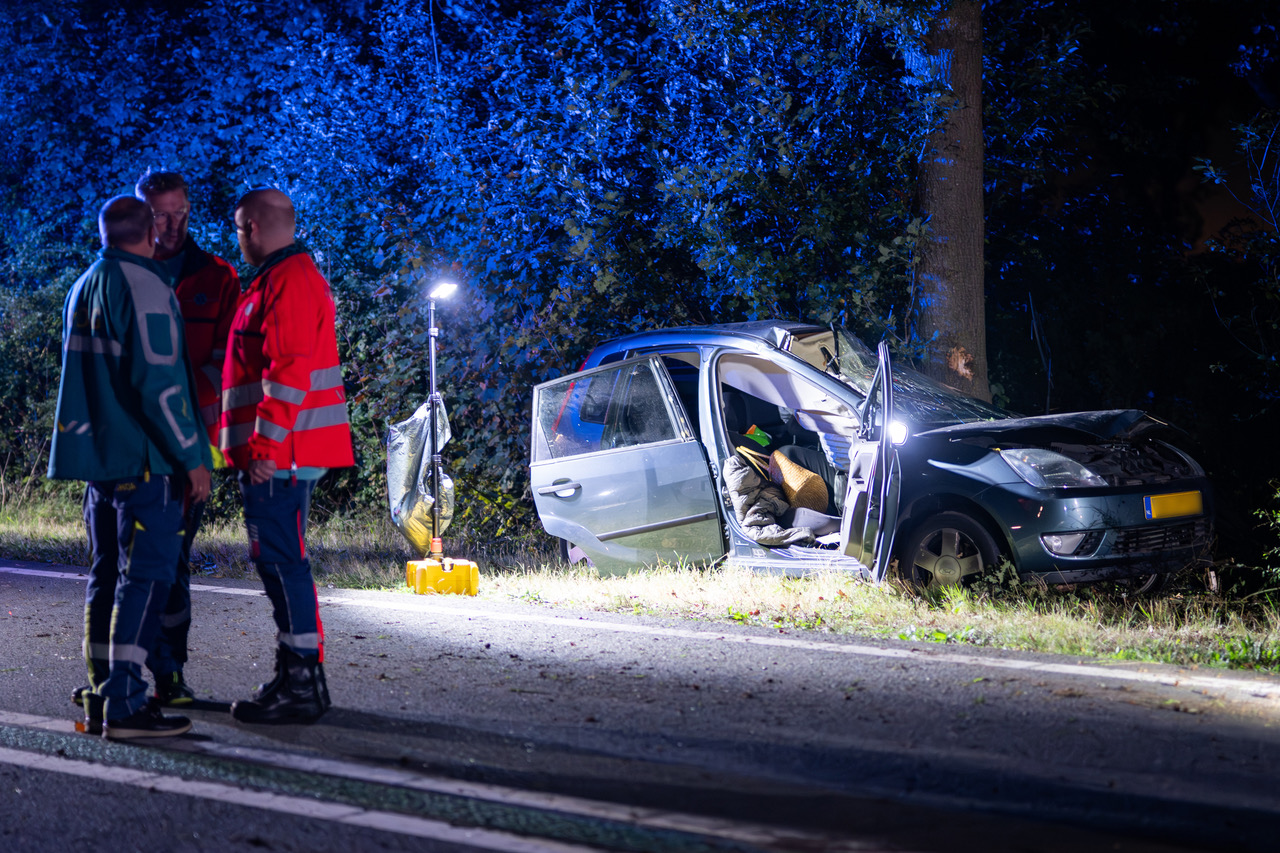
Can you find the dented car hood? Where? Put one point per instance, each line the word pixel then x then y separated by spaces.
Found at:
pixel 1104 425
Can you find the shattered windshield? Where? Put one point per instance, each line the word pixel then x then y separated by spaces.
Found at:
pixel 916 397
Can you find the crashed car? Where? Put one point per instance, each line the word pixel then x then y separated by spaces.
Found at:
pixel 668 446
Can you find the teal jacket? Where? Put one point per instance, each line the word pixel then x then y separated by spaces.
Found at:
pixel 125 400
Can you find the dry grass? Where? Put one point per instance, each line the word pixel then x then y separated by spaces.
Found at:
pixel 1190 627
pixel 1186 628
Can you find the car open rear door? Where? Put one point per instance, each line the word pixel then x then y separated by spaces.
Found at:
pixel 875 478
pixel 617 470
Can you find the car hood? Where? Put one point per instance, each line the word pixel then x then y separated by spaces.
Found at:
pixel 1074 426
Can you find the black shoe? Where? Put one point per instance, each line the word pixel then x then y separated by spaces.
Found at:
pixel 299 695
pixel 274 684
pixel 172 690
pixel 148 722
pixel 92 703
pixel 77 695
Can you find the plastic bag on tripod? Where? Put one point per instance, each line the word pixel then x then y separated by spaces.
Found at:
pixel 409 476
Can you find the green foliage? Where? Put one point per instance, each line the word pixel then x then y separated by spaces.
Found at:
pixel 1245 653
pixel 586 169
pixel 968 635
pixel 1270 518
pixel 29 369
pixel 581 170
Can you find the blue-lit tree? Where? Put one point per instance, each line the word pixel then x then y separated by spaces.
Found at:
pixel 589 168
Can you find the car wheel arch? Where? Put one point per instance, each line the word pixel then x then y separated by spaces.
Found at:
pixel 927 506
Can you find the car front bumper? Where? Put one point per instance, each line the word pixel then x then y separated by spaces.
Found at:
pixel 1120 539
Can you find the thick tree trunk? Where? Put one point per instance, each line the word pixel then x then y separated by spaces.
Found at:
pixel 951 272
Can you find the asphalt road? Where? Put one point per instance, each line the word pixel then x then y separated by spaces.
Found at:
pixel 467 724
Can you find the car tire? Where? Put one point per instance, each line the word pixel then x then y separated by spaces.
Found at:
pixel 946 549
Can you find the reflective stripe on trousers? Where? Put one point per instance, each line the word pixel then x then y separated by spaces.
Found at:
pixel 275 517
pixel 135 536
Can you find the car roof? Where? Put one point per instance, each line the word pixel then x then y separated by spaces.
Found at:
pixel 771 332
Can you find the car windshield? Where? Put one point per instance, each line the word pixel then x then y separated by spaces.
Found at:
pixel 917 398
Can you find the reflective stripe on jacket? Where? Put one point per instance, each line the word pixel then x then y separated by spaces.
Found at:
pixel 208 290
pixel 282 391
pixel 125 406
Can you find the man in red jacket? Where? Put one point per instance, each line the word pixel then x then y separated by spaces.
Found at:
pixel 208 289
pixel 284 424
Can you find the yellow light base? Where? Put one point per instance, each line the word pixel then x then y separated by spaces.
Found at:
pixel 446 577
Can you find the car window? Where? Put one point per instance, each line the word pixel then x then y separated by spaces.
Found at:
pixel 683 368
pixel 608 409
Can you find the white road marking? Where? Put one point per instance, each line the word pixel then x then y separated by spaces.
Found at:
pixel 648 818
pixel 399 824
pixel 1247 688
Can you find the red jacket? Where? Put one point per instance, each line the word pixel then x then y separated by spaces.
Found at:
pixel 207 290
pixel 282 396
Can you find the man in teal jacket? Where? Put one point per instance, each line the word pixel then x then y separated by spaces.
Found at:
pixel 127 424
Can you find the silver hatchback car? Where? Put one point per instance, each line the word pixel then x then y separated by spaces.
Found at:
pixel 677 445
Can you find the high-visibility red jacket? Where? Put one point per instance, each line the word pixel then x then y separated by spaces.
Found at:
pixel 282 392
pixel 207 290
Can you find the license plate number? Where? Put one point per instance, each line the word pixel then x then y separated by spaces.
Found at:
pixel 1174 505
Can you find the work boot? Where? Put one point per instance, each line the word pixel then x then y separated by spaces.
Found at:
pixel 270 686
pixel 77 695
pixel 322 686
pixel 298 696
pixel 172 690
pixel 148 722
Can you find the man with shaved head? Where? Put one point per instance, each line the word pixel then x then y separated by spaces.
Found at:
pixel 284 424
pixel 127 424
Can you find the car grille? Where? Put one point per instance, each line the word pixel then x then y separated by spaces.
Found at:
pixel 1164 537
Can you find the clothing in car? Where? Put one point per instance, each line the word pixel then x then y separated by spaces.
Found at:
pixel 759 504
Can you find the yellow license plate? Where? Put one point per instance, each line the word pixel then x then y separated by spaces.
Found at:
pixel 1174 505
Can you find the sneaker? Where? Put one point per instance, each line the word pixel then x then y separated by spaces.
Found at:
pixel 172 690
pixel 92 724
pixel 148 722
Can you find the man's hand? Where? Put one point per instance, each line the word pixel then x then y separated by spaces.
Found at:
pixel 261 470
pixel 200 483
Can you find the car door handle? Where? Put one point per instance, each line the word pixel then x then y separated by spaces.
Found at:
pixel 560 490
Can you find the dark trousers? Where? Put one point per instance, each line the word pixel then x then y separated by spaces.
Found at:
pixel 275 518
pixel 170 652
pixel 135 536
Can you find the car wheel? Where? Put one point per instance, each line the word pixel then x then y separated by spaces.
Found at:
pixel 945 550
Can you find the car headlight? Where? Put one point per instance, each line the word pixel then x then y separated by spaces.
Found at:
pixel 897 432
pixel 1048 470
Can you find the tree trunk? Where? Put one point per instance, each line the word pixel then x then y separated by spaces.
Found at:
pixel 952 314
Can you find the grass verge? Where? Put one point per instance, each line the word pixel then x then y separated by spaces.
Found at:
pixel 1187 626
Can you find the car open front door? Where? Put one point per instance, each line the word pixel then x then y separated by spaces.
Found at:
pixel 617 470
pixel 875 478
